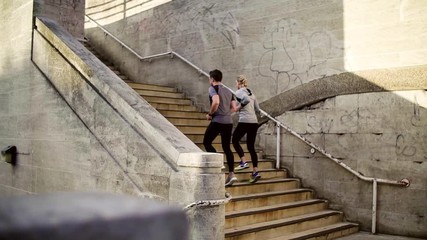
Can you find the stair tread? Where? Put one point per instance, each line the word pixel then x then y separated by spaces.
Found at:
pixel 263 181
pixel 273 207
pixel 277 223
pixel 193 115
pixel 143 86
pixel 165 97
pixel 181 107
pixel 272 193
pixel 249 170
pixel 250 161
pixel 317 231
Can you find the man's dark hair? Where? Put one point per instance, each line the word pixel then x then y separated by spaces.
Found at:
pixel 216 75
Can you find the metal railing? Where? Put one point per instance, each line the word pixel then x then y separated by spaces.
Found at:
pixel 404 182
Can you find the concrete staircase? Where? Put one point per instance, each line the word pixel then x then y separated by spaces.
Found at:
pixel 277 207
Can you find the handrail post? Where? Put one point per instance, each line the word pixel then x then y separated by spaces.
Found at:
pixel 277 145
pixel 374 205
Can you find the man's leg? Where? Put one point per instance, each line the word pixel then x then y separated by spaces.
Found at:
pixel 211 133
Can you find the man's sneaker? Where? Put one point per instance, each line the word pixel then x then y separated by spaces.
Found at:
pixel 254 177
pixel 242 165
pixel 230 181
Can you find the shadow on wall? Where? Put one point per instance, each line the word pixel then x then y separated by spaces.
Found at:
pixel 113 11
pixel 397 79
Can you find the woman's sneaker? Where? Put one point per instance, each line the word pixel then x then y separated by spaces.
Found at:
pixel 242 165
pixel 254 177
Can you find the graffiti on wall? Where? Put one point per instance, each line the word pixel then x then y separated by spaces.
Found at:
pixel 291 56
pixel 322 125
pixel 203 20
pixel 416 119
pixel 403 148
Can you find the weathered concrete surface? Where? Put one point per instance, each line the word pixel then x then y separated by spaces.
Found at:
pixel 63 216
pixel 68 14
pixel 279 45
pixel 170 167
pixel 89 143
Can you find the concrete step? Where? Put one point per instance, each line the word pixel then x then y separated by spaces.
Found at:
pixel 151 93
pixel 331 231
pixel 278 228
pixel 166 100
pixel 150 87
pixel 268 185
pixel 192 130
pixel 262 163
pixel 198 137
pixel 244 175
pixel 218 146
pixel 265 198
pixel 181 114
pixel 189 122
pixel 273 212
pixel 174 107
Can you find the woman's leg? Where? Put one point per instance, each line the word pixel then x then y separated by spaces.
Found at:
pixel 238 133
pixel 252 129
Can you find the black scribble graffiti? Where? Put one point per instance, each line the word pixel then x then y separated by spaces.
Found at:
pixel 293 57
pixel 416 119
pixel 323 125
pixel 402 149
pixel 350 119
pixel 230 29
pixel 201 19
pixel 366 116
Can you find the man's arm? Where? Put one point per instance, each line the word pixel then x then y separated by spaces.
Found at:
pixel 214 106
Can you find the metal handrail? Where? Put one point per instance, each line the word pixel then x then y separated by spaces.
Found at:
pixel 404 182
pixel 147 58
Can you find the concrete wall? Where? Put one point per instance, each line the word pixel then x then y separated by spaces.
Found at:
pixel 77 127
pixel 278 44
pixel 381 135
pixel 69 14
pixel 283 46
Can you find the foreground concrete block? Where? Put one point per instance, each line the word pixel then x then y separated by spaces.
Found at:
pixel 89 216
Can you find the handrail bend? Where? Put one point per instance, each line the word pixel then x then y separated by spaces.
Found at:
pixel 147 58
pixel 404 182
